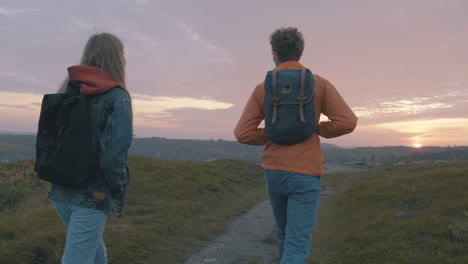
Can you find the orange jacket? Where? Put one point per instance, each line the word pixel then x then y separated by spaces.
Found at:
pixel 305 157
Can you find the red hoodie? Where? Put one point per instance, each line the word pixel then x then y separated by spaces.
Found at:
pixel 93 80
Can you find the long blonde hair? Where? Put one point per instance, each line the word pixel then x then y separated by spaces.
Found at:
pixel 105 51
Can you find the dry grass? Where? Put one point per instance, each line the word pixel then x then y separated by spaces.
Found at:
pixel 173 209
pixel 359 224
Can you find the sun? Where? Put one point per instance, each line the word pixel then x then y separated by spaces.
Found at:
pixel 417 145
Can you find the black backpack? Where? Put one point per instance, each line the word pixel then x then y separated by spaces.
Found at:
pixel 289 106
pixel 64 151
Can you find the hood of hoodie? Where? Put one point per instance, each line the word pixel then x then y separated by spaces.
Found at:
pixel 92 80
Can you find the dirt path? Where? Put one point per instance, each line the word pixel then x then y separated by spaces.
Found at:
pixel 243 242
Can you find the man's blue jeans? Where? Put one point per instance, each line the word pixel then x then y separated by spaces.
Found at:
pixel 294 198
pixel 85 226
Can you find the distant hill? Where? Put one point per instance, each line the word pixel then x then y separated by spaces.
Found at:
pixel 198 150
pixel 388 155
pixel 193 150
pixel 17 147
pixel 20 147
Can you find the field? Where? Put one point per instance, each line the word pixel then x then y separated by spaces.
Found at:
pixel 416 213
pixel 396 214
pixel 173 209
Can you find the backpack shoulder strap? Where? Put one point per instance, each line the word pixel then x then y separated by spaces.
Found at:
pixel 275 98
pixel 302 98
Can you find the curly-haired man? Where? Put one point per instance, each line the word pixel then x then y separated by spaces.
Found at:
pixel 292 172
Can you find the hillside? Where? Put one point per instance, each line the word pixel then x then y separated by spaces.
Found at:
pixel 194 150
pixel 395 214
pixel 394 154
pixel 20 147
pixel 17 147
pixel 173 208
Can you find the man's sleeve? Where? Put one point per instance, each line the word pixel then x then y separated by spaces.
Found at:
pixel 247 130
pixel 342 119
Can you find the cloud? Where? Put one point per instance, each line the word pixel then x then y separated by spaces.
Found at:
pixel 19 106
pixel 140 2
pixel 414 106
pixel 22 100
pixel 10 12
pixel 19 76
pixel 423 126
pixel 157 110
pixel 143 2
pixel 407 107
pixel 438 131
pixel 82 25
pixel 220 54
pixel 16 106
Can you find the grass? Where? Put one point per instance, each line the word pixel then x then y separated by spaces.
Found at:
pixel 173 209
pixel 176 207
pixel 270 238
pixel 359 223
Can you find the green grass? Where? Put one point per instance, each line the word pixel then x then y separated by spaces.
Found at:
pixel 270 238
pixel 173 209
pixel 358 224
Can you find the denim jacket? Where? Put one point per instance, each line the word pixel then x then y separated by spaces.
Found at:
pixel 111 125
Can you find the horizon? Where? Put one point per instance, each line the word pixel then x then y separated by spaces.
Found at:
pixel 192 66
pixel 19 133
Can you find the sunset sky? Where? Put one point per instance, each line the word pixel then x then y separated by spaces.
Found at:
pixel 191 65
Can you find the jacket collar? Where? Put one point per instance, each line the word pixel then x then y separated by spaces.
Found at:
pixel 289 65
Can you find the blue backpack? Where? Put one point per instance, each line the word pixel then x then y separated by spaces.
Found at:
pixel 289 106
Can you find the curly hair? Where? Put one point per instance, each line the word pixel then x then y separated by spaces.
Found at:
pixel 288 44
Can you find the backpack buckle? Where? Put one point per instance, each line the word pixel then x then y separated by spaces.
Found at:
pixel 302 98
pixel 71 100
pixel 287 88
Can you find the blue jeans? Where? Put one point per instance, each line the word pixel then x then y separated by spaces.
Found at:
pixel 294 199
pixel 85 226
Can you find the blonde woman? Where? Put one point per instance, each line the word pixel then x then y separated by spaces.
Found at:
pixel 101 76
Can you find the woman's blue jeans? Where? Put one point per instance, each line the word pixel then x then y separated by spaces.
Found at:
pixel 85 226
pixel 294 198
